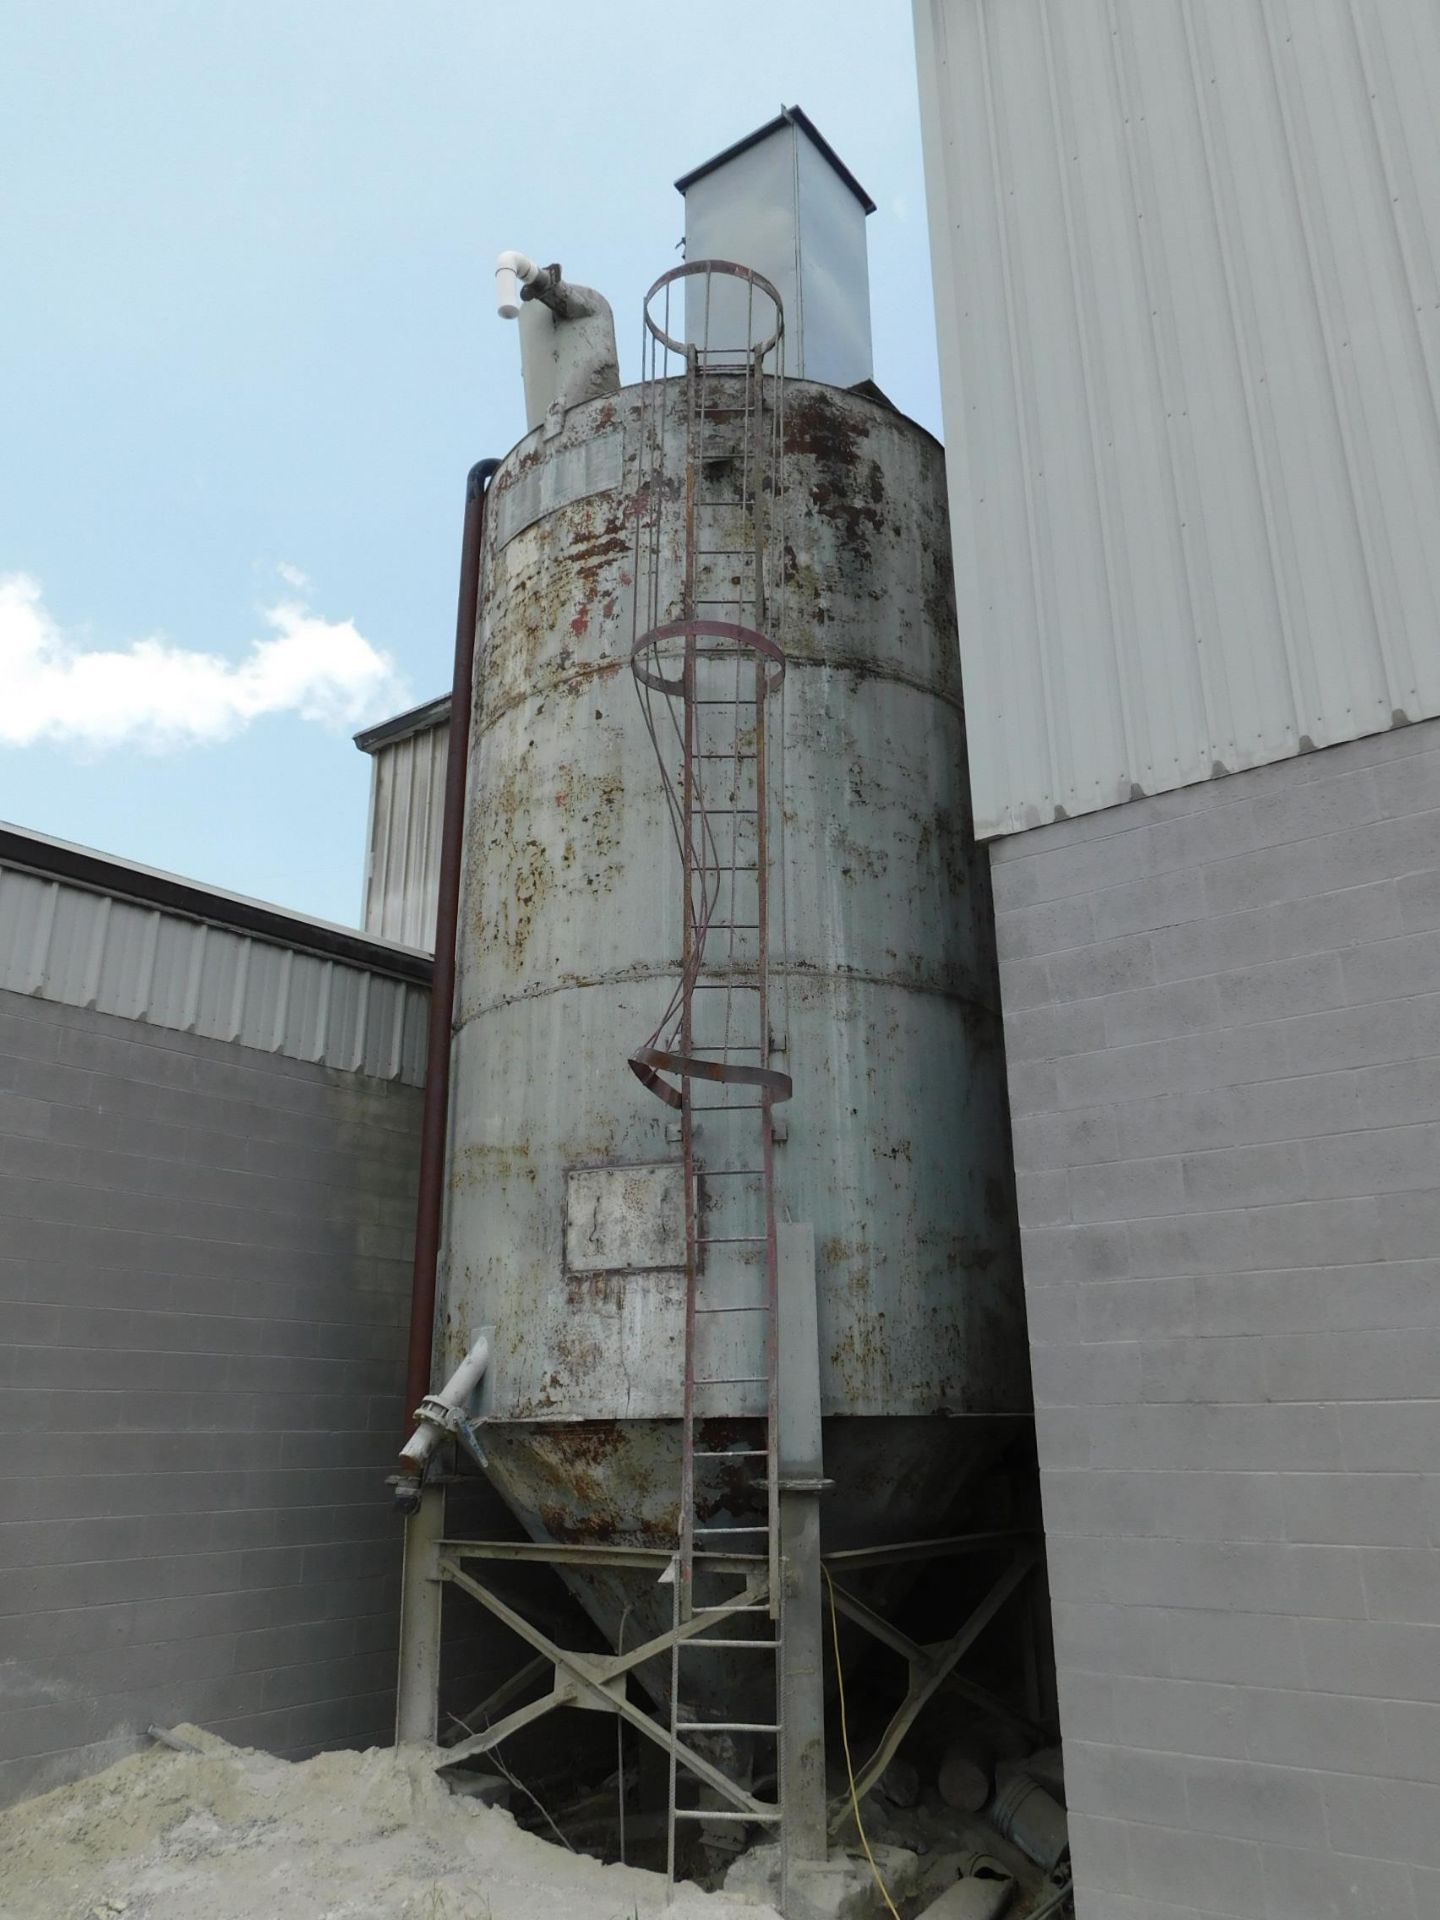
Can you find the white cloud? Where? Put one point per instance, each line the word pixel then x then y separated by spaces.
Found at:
pixel 160 697
pixel 292 576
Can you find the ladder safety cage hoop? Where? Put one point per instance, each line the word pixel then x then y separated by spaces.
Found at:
pixel 696 269
pixel 653 643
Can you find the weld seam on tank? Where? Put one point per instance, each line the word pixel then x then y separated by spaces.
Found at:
pixel 580 676
pixel 899 983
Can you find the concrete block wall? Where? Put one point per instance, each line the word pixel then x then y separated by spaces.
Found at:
pixel 204 1286
pixel 1223 1031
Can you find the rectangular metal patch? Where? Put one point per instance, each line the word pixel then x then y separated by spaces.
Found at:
pixel 625 1219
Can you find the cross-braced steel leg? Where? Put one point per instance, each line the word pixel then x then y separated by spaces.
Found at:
pixel 599 1680
pixel 930 1667
pixel 890 1636
pixel 492 1703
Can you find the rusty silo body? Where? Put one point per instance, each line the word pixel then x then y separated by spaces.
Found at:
pixel 563 1233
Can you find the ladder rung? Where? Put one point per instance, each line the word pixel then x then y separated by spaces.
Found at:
pixel 736 1453
pixel 703 1813
pixel 759 1606
pixel 759 1307
pixel 730 1239
pixel 735 1380
pixel 725 1726
pixel 760 1646
pixel 754 1529
pixel 725 1173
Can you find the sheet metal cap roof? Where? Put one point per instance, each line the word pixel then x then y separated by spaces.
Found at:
pixel 432 713
pixel 787 117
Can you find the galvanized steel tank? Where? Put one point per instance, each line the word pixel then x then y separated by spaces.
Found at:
pixel 562 1229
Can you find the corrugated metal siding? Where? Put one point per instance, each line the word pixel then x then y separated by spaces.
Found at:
pixel 1187 263
pixel 90 949
pixel 407 802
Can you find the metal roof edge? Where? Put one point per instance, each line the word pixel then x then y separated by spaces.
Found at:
pixel 385 733
pixel 32 852
pixel 787 117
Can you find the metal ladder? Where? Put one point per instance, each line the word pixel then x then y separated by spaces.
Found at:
pixel 709 681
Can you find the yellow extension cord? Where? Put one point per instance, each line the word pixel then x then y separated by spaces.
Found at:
pixel 845 1743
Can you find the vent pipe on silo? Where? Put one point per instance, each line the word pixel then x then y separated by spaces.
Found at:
pixel 567 338
pixel 435 1102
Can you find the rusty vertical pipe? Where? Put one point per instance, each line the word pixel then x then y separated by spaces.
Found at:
pixel 434 1115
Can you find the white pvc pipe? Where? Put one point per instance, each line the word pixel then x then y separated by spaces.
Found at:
pixel 512 271
pixel 451 1398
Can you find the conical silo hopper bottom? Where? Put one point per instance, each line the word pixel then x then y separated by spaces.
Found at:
pixel 616 1483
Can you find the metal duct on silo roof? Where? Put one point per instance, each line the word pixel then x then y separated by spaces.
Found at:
pixel 783 203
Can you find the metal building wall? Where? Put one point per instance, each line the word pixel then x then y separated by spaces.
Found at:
pixel 1187 268
pixel 83 945
pixel 407 799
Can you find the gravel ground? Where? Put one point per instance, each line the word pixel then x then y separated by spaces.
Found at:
pixel 231 1834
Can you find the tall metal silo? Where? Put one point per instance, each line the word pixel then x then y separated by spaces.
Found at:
pixel 583 1216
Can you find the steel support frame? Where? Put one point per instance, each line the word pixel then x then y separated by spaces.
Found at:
pixel 799 1450
pixel 598 1680
pixel 417 1694
pixel 930 1666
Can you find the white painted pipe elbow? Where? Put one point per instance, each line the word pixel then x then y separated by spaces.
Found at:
pixel 437 1409
pixel 512 271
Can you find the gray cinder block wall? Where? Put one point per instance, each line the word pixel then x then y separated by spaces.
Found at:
pixel 203 1294
pixel 1223 1031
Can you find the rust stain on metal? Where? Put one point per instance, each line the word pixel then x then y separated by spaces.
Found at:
pixel 889 966
pixel 849 486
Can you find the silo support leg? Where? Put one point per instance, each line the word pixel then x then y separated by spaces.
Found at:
pixel 802 1691
pixel 802 1712
pixel 418 1693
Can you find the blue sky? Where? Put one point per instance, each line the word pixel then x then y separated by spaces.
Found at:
pixel 248 351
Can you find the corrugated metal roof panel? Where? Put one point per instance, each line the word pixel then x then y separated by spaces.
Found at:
pixel 85 948
pixel 1187 266
pixel 407 805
